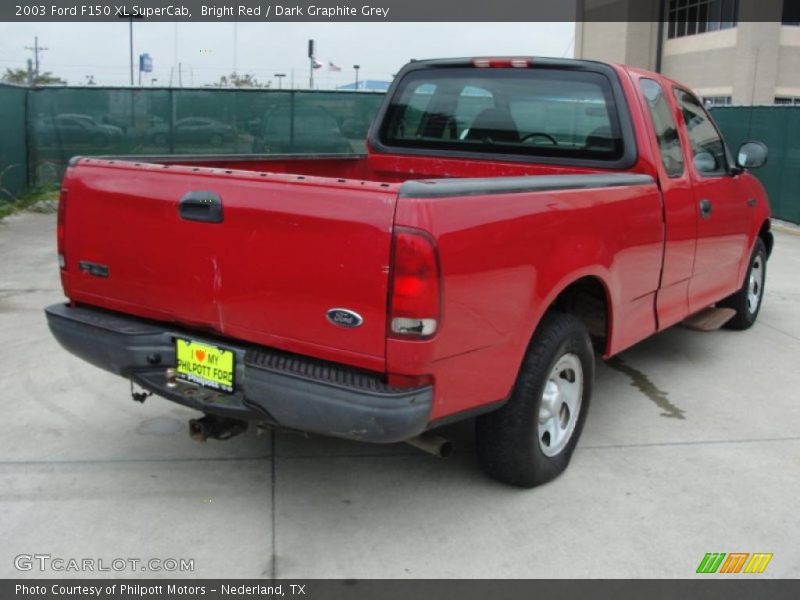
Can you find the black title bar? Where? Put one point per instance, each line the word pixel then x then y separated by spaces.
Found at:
pixel 359 10
pixel 704 586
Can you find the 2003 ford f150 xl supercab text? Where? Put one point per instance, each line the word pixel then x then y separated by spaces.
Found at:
pixel 512 218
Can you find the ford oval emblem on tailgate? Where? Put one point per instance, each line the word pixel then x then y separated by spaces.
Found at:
pixel 344 317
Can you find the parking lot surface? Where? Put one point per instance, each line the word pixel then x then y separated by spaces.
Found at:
pixel 691 446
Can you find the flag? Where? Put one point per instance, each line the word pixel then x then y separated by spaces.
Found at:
pixel 333 67
pixel 316 64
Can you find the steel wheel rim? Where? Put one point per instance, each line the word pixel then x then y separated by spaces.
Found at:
pixel 561 405
pixel 755 284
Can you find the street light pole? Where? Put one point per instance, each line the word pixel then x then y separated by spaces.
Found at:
pixel 130 37
pixel 356 67
pixel 280 77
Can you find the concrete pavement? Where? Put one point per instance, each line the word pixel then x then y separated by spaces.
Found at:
pixel 692 445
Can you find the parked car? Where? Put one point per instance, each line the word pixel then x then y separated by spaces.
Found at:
pixel 513 219
pixel 302 129
pixel 193 130
pixel 76 130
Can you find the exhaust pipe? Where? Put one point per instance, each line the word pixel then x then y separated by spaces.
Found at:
pixel 432 444
pixel 217 428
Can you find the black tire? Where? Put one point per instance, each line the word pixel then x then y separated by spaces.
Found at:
pixel 746 313
pixel 216 139
pixel 508 440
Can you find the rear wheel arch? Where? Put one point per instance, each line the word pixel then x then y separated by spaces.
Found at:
pixel 588 299
pixel 765 233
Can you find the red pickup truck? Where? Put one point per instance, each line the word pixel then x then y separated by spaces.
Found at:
pixel 512 218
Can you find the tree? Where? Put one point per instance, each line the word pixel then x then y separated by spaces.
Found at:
pixel 20 77
pixel 247 80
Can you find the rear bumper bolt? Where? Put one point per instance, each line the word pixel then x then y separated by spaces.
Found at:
pixel 172 378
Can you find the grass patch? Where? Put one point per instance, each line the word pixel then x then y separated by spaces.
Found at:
pixel 28 199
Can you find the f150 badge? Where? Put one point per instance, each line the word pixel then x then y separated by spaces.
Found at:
pixel 344 318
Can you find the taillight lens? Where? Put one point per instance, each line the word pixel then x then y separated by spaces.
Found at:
pixel 500 63
pixel 61 228
pixel 416 299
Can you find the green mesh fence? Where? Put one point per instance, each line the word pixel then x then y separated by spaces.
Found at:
pixel 779 128
pixel 64 122
pixel 13 158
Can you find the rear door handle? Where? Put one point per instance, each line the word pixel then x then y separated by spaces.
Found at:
pixel 201 206
pixel 705 208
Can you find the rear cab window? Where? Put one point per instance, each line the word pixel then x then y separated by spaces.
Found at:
pixel 543 114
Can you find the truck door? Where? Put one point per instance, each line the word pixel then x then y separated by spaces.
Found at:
pixel 680 236
pixel 721 209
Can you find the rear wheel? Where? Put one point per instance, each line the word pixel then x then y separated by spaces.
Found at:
pixel 530 440
pixel 747 301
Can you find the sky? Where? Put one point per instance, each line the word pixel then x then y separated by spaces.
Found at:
pixel 209 50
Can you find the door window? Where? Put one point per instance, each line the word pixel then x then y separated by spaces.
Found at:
pixel 669 143
pixel 708 149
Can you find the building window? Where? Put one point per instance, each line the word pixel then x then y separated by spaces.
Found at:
pixel 716 101
pixel 787 100
pixel 690 17
pixel 791 12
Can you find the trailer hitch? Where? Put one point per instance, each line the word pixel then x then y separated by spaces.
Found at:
pixel 140 396
pixel 214 427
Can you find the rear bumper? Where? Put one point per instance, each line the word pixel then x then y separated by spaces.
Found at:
pixel 271 386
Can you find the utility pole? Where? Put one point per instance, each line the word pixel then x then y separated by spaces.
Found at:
pixel 356 67
pixel 311 61
pixel 280 77
pixel 236 47
pixel 130 17
pixel 130 39
pixel 36 48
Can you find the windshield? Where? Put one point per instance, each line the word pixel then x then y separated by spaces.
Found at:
pixel 544 112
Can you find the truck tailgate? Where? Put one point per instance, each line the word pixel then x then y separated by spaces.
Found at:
pixel 287 250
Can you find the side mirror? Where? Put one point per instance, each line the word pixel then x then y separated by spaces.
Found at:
pixel 705 162
pixel 751 155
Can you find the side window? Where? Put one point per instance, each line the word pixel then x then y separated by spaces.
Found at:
pixel 708 150
pixel 666 131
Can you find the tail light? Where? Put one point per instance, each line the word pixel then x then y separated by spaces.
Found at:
pixel 61 228
pixel 415 304
pixel 501 63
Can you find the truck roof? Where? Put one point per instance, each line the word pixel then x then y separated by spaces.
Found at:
pixel 532 61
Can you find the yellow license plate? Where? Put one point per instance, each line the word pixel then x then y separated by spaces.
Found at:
pixel 204 364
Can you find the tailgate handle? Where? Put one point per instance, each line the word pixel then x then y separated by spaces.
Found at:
pixel 201 206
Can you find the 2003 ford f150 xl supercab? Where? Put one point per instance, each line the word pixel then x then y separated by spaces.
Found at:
pixel 512 218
